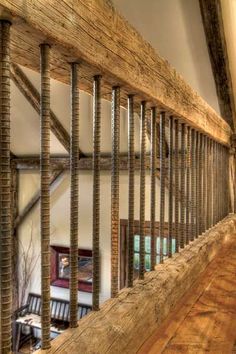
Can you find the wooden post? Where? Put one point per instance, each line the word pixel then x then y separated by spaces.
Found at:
pixel 5 191
pixel 131 162
pixel 162 181
pixel 96 188
pixel 115 220
pixel 45 192
pixel 153 187
pixel 142 189
pixel 74 196
pixel 171 163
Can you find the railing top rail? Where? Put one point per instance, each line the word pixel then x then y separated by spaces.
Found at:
pixel 94 33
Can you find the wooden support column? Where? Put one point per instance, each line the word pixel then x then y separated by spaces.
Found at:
pixel 131 162
pixel 96 188
pixel 45 193
pixel 162 181
pixel 5 191
pixel 171 165
pixel 142 189
pixel 115 220
pixel 153 187
pixel 74 195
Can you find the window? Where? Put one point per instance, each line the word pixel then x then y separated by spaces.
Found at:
pixel 124 248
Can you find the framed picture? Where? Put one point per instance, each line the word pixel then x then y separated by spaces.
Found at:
pixel 60 268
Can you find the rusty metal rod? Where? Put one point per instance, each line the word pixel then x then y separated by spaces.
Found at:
pixel 45 193
pixel 74 194
pixel 96 188
pixel 153 186
pixel 182 188
pixel 115 219
pixel 162 182
pixel 131 161
pixel 176 175
pixel 142 189
pixel 171 165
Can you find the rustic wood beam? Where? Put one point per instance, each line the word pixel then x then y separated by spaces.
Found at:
pixel 78 30
pixel 55 176
pixel 85 163
pixel 33 97
pixel 217 48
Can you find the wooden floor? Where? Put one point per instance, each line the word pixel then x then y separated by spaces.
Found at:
pixel 205 320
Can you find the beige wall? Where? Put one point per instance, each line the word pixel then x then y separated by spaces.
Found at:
pixel 29 184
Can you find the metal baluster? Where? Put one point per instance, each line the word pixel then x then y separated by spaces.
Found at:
pixel 5 191
pixel 153 187
pixel 197 185
pixel 96 188
pixel 188 170
pixel 74 198
pixel 176 167
pixel 193 184
pixel 131 161
pixel 115 219
pixel 171 163
pixel 182 189
pixel 162 182
pixel 204 185
pixel 45 192
pixel 142 190
pixel 200 186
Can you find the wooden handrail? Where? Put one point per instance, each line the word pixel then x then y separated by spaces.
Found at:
pixel 95 34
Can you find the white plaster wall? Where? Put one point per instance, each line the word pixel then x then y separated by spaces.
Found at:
pixel 29 184
pixel 174 28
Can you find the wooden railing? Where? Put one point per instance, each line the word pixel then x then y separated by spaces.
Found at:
pixel 118 64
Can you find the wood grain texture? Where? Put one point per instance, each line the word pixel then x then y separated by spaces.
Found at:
pixel 78 30
pixel 124 323
pixel 204 320
pixel 214 30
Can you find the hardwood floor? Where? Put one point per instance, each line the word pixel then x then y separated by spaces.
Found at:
pixel 205 320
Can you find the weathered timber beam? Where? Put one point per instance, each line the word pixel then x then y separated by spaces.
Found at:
pixel 33 97
pixel 55 176
pixel 217 48
pixel 85 163
pixel 79 30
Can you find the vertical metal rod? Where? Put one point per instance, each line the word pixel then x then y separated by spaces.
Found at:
pixel 96 188
pixel 204 188
pixel 115 219
pixel 197 186
pixel 212 182
pixel 207 182
pixel 131 161
pixel 176 167
pixel 153 187
pixel 45 192
pixel 142 189
pixel 182 189
pixel 200 183
pixel 193 184
pixel 5 191
pixel 162 181
pixel 171 163
pixel 188 171
pixel 74 194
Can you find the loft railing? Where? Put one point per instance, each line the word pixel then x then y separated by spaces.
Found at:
pixel 198 150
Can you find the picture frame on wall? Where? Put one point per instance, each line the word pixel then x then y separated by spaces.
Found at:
pixel 60 268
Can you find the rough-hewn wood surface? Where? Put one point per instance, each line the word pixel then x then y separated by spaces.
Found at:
pixel 94 33
pixel 217 48
pixel 124 323
pixel 204 321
